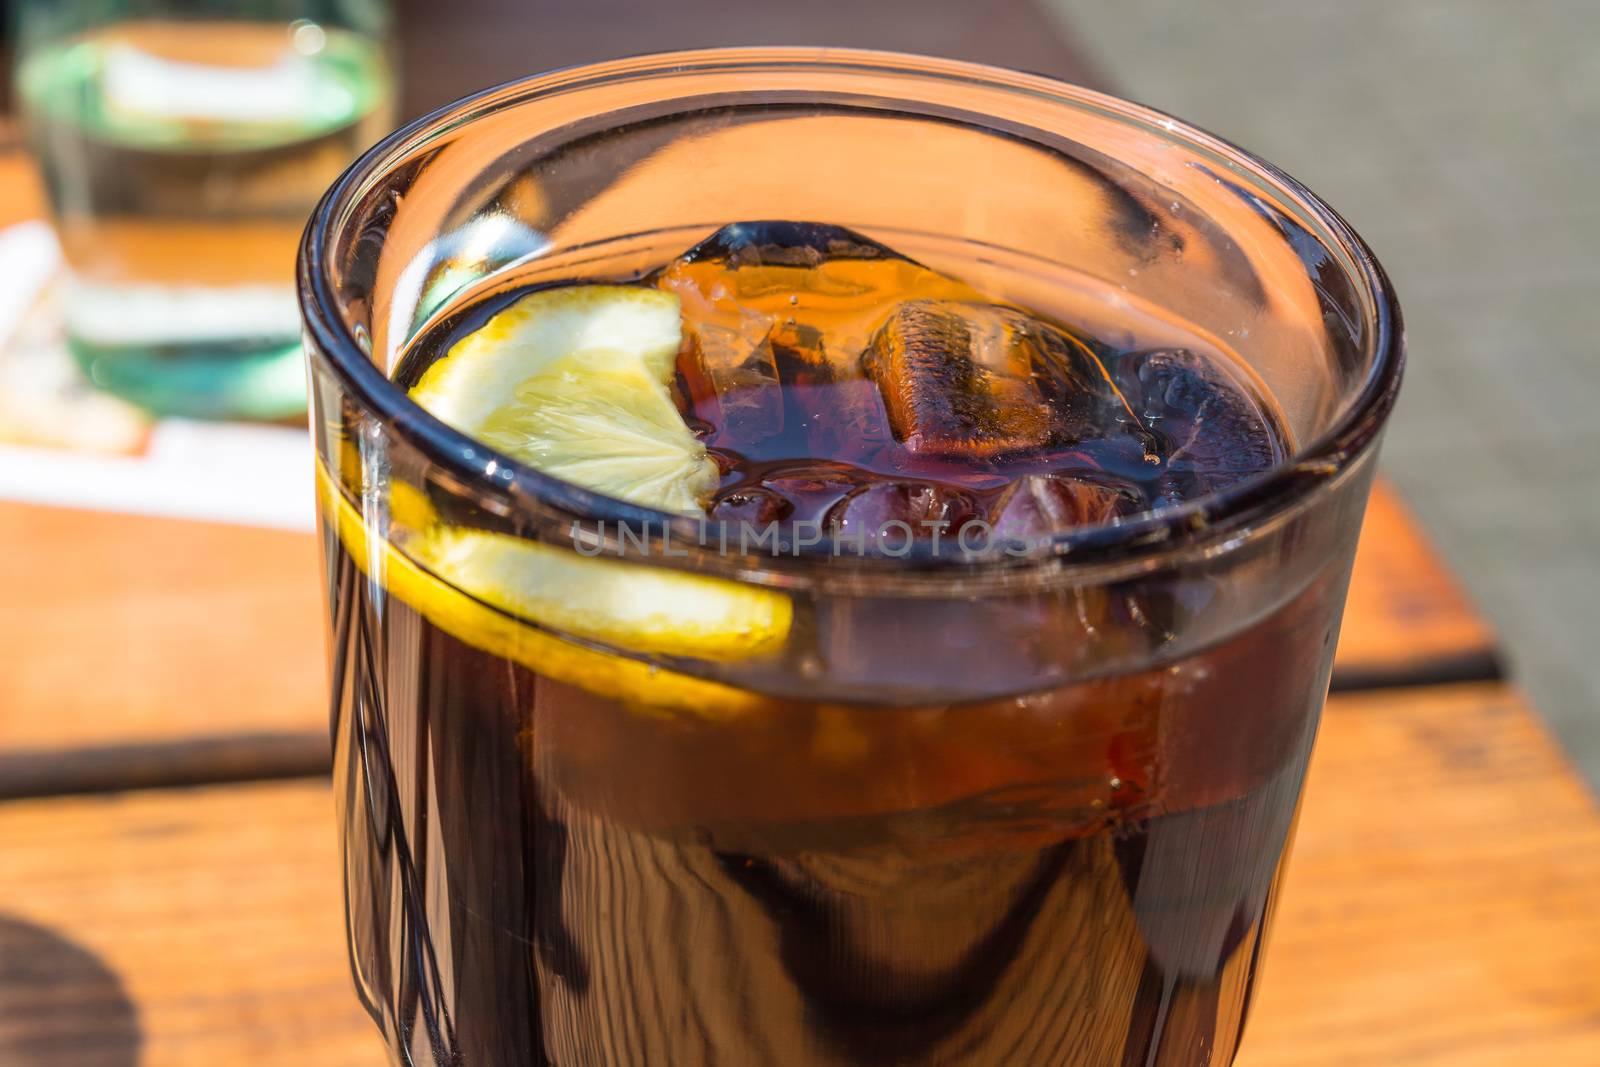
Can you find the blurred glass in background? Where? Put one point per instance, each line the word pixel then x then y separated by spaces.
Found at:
pixel 183 144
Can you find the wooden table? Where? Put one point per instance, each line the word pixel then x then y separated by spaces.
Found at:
pixel 1441 909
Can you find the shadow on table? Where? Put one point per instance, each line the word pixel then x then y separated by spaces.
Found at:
pixel 66 985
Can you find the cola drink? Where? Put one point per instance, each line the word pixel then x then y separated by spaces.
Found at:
pixel 977 826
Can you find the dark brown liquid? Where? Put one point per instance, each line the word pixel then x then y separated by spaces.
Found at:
pixel 538 875
pixel 1080 875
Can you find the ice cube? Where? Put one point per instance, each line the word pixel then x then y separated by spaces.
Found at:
pixel 955 383
pixel 1073 378
pixel 738 368
pixel 1211 432
pixel 889 514
pixel 1039 505
pixel 820 289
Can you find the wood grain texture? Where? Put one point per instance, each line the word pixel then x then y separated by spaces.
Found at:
pixel 1442 909
pixel 122 629
pixel 214 914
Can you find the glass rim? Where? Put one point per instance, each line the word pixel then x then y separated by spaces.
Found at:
pixel 1227 515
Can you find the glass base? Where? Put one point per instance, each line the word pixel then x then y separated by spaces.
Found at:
pixel 231 379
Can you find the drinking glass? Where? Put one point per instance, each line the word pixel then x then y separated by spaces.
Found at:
pixel 958 810
pixel 183 144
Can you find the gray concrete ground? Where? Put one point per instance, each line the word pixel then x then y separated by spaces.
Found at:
pixel 1462 138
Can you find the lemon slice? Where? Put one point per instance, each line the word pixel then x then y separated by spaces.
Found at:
pixel 639 685
pixel 574 381
pixel 641 608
